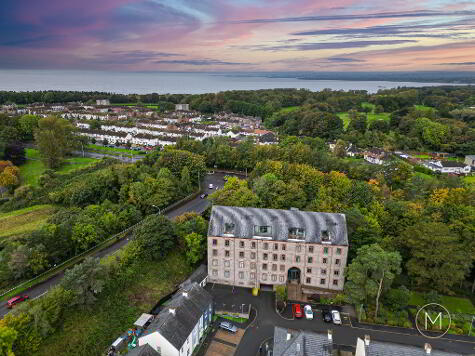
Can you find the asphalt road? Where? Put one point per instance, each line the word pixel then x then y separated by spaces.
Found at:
pixel 263 327
pixel 197 205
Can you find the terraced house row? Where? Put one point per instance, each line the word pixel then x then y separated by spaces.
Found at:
pixel 263 248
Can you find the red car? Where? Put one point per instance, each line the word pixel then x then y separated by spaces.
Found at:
pixel 16 300
pixel 297 309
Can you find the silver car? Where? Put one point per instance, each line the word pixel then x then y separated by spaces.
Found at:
pixel 336 317
pixel 228 326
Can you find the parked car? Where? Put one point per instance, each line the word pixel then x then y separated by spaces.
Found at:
pixel 16 300
pixel 297 309
pixel 326 316
pixel 226 325
pixel 204 195
pixel 211 186
pixel 308 312
pixel 336 317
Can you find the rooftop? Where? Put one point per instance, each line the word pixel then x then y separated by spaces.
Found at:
pixel 289 342
pixel 280 225
pixel 376 348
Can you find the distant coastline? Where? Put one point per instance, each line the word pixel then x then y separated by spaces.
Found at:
pixel 212 82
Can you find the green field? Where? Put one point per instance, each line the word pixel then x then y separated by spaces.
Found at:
pixel 150 106
pixel 33 168
pixel 423 107
pixel 111 150
pixel 90 331
pixel 288 109
pixel 469 180
pixel 346 119
pixel 453 304
pixel 24 220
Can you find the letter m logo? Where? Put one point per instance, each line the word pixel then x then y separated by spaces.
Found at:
pixel 439 316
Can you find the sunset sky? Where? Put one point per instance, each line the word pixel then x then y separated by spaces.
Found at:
pixel 238 35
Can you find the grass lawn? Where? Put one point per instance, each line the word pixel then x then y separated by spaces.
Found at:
pixel 112 150
pixel 24 220
pixel 288 109
pixel 425 176
pixel 421 156
pixel 33 168
pixel 232 318
pixel 368 105
pixel 422 107
pixel 469 180
pixel 346 119
pixel 453 304
pixel 90 331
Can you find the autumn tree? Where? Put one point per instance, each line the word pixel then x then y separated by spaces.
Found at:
pixel 55 138
pixel 371 274
pixel 9 175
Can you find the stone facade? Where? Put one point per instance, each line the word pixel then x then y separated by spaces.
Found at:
pixel 252 262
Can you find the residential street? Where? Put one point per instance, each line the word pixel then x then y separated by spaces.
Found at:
pixel 197 205
pixel 267 318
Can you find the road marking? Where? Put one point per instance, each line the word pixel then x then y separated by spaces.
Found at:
pixel 39 296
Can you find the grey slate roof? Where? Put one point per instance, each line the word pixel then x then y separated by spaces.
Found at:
pixel 144 350
pixel 197 276
pixel 377 348
pixel 244 220
pixel 452 164
pixel 188 310
pixel 301 343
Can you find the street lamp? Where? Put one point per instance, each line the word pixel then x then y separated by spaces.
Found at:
pixel 156 207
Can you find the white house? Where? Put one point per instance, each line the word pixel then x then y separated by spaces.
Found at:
pixel 103 102
pixel 179 327
pixel 375 156
pixel 470 160
pixel 447 167
pixel 182 107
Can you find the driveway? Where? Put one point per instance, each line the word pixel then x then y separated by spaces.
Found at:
pixel 263 327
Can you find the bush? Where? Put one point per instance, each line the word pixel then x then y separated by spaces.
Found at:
pixel 397 298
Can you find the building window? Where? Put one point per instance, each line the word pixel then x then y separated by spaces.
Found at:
pixel 283 247
pixel 276 246
pixel 337 261
pixel 325 235
pixel 241 275
pixel 241 264
pixel 253 244
pixel 325 250
pixel 298 248
pixel 215 272
pixel 310 259
pixel 264 266
pixel 215 252
pixel 275 257
pixel 281 279
pixel 335 282
pixel 253 265
pixel 310 249
pixel 241 254
pixel 226 243
pixel 215 262
pixel 228 228
pixel 274 267
pixel 264 256
pixel 253 255
pixel 308 280
pixel 226 263
pixel 336 273
pixel 263 230
pixel 226 274
pixel 338 251
pixel 324 261
pixel 297 259
pixel 215 242
pixel 266 245
pixel 323 272
pixel 322 281
pixel 264 276
pixel 274 278
pixel 226 253
pixel 296 233
pixel 309 270
pixel 253 275
pixel 282 268
pixel 282 257
pixel 241 244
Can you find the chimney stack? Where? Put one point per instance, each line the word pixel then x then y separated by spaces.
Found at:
pixel 330 335
pixel 367 340
pixel 289 336
pixel 172 310
pixel 427 348
pixel 185 294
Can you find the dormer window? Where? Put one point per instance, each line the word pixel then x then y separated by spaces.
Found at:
pixel 229 228
pixel 261 230
pixel 296 233
pixel 326 236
